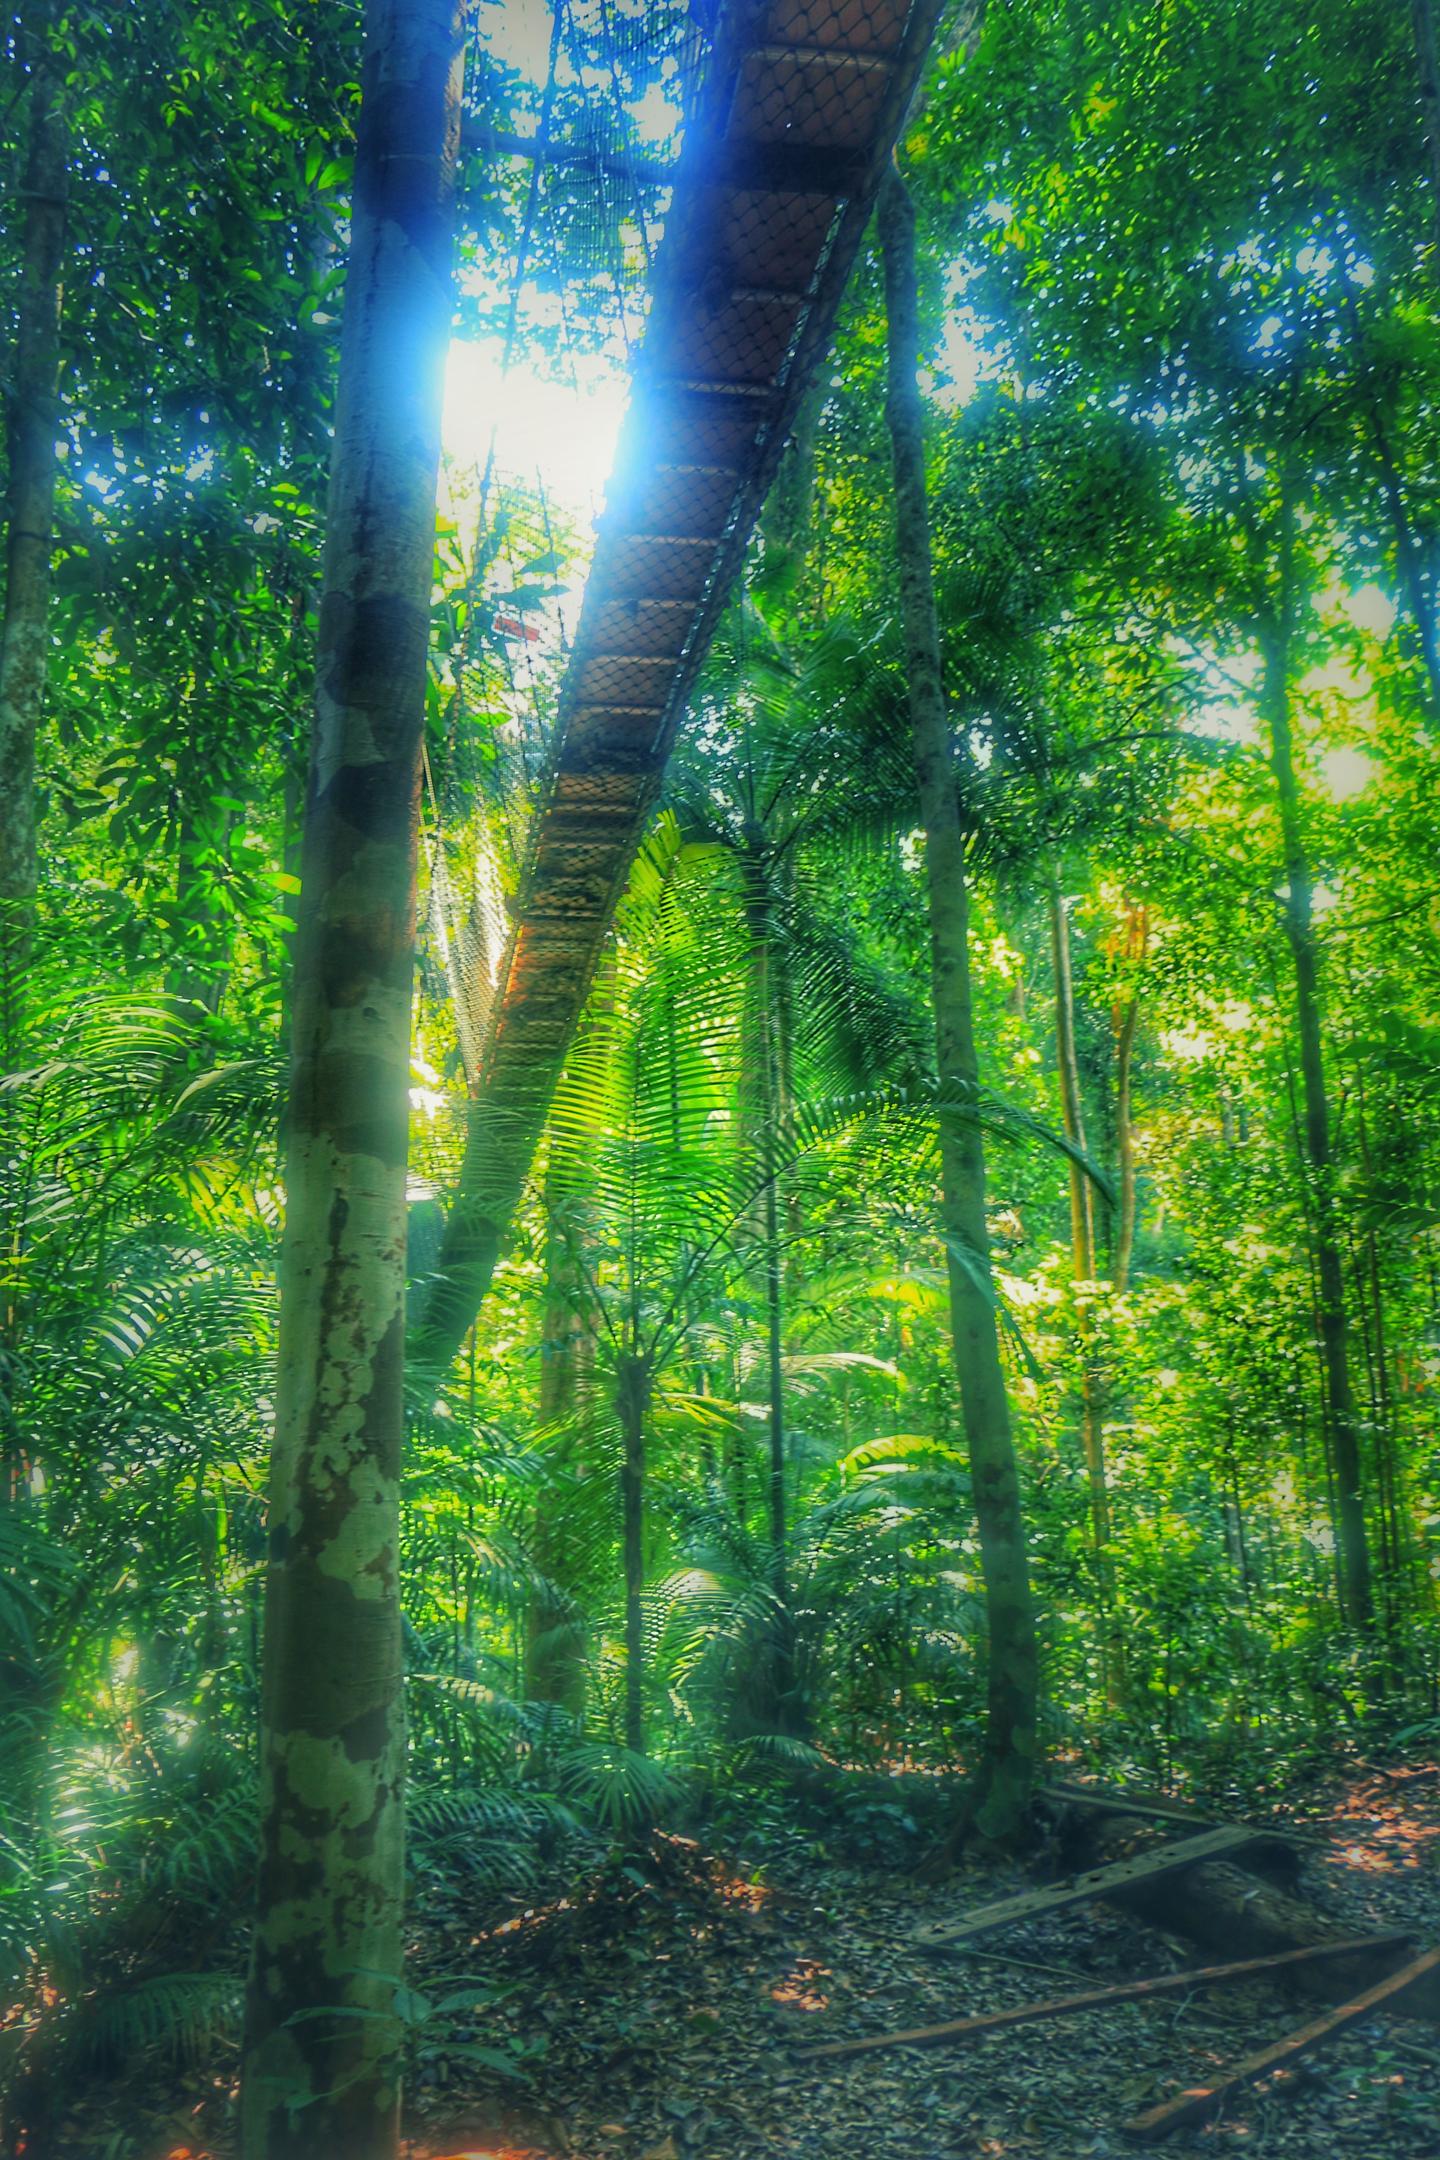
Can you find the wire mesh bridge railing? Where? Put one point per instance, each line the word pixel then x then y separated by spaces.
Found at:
pixel 794 107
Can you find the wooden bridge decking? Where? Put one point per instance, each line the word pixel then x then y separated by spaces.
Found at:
pixel 799 107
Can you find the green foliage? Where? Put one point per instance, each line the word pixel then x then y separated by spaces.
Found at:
pixel 1180 281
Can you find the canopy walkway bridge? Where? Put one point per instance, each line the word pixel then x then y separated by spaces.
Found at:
pixel 798 106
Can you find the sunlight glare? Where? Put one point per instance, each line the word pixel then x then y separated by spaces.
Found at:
pixel 519 37
pixel 1369 608
pixel 657 116
pixel 961 363
pixel 564 432
pixel 1347 773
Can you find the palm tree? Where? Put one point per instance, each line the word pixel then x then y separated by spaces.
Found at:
pixel 672 1220
pixel 767 777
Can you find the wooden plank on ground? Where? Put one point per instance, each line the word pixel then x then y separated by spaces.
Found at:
pixel 1149 1866
pixel 1192 2106
pixel 1034 2013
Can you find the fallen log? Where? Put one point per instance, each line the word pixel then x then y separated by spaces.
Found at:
pixel 1061 1797
pixel 1113 1800
pixel 1059 2006
pixel 1149 1864
pixel 1224 1908
pixel 1193 2106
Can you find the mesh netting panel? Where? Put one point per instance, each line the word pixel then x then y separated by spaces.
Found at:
pixel 742 243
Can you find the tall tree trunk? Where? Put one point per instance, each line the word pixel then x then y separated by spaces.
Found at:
pixel 554 1636
pixel 1125 1020
pixel 782 1676
pixel 31 428
pixel 1416 585
pixel 1396 1588
pixel 1276 638
pixel 1009 1766
pixel 1082 1216
pixel 310 399
pixel 1072 1111
pixel 762 1064
pixel 632 1404
pixel 1427 57
pixel 1083 1269
pixel 328 1929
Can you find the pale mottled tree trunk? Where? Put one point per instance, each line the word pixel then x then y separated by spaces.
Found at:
pixel 328 1930
pixel 1009 1766
pixel 31 427
pixel 1353 1551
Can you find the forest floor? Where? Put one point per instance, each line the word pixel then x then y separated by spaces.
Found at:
pixel 660 2020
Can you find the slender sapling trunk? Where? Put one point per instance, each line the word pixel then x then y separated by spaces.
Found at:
pixel 1082 1217
pixel 1427 60
pixel 1352 1553
pixel 1011 1735
pixel 763 1066
pixel 554 1636
pixel 1126 1022
pixel 632 1404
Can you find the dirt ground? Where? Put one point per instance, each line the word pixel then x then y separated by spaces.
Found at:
pixel 674 2037
pixel 664 2024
